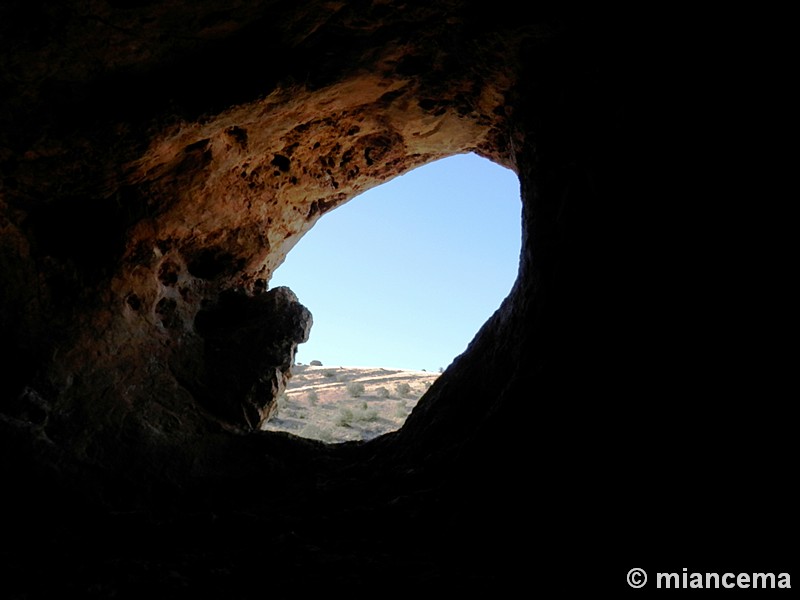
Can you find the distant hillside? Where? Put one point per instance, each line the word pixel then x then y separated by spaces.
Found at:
pixel 338 404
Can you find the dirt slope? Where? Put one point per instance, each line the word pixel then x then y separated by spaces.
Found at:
pixel 337 404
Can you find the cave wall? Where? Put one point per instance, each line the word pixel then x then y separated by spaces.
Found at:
pixel 170 197
pixel 158 161
pixel 142 193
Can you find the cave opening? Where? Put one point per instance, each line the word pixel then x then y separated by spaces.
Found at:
pixel 399 280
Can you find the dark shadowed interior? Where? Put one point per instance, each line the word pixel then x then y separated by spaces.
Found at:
pixel 159 159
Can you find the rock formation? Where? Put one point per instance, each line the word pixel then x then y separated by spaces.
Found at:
pixel 157 163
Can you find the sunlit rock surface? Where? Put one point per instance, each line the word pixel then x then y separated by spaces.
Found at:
pixel 158 161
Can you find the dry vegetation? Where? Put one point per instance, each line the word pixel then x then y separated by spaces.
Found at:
pixel 339 404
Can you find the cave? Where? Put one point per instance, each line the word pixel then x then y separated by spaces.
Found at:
pixel 622 408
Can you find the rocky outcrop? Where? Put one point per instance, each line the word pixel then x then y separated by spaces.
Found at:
pixel 249 347
pixel 158 161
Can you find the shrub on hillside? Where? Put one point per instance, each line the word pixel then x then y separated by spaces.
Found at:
pixel 382 392
pixel 345 417
pixel 403 389
pixel 355 388
pixel 315 432
pixel 369 414
pixel 312 397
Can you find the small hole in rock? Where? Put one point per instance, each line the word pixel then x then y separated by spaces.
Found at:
pixel 281 162
pixel 133 301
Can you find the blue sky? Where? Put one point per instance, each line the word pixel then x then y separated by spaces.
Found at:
pixel 404 275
